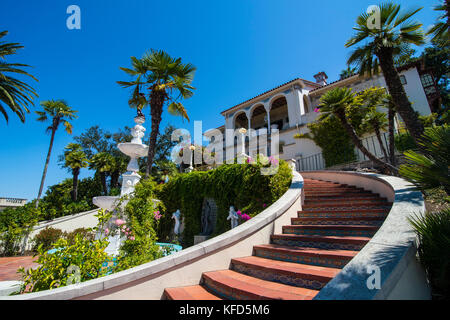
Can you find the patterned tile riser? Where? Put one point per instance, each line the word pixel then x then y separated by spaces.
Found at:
pixel 346 214
pixel 318 232
pixel 291 280
pixel 343 208
pixel 339 223
pixel 320 245
pixel 315 261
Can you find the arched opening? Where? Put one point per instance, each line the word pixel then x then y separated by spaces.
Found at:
pixel 306 104
pixel 258 117
pixel 279 118
pixel 241 121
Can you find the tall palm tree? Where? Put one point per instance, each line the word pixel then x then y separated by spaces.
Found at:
pixel 103 163
pixel 59 112
pixel 382 44
pixel 334 104
pixel 14 93
pixel 440 29
pixel 168 80
pixel 75 159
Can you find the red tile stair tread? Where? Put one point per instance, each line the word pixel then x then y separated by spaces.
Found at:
pixel 341 239
pixel 196 292
pixel 283 267
pixel 258 287
pixel 308 251
pixel 332 226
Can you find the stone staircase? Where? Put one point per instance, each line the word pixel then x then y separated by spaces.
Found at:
pixel 337 220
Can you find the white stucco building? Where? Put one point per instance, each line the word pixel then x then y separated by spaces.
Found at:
pixel 290 107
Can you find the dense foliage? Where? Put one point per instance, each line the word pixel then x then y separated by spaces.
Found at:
pixel 239 185
pixel 332 138
pixel 429 167
pixel 433 231
pixel 70 263
pixel 140 212
pixel 15 225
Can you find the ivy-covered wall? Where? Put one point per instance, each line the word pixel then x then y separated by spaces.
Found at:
pixel 239 185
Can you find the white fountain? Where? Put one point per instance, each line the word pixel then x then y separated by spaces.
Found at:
pixel 135 150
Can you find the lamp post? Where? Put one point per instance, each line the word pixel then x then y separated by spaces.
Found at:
pixel 191 168
pixel 243 131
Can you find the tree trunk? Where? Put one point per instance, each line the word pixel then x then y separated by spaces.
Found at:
pixel 383 149
pixel 75 173
pixel 396 90
pixel 103 179
pixel 386 166
pixel 115 179
pixel 46 162
pixel 391 116
pixel 157 99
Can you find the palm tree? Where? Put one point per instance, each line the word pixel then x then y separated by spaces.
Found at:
pixel 102 162
pixel 440 29
pixel 75 159
pixel 396 32
pixel 376 121
pixel 429 168
pixel 347 72
pixel 14 93
pixel 59 112
pixel 334 104
pixel 168 80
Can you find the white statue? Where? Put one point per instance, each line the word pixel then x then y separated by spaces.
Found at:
pixel 234 217
pixel 176 216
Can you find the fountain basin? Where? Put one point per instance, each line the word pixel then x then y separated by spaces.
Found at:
pixel 133 150
pixel 106 202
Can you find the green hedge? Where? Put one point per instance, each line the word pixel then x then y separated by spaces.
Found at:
pixel 239 185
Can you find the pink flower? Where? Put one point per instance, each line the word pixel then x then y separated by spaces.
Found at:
pixel 119 222
pixel 239 212
pixel 245 217
pixel 316 110
pixel 157 215
pixel 264 205
pixel 132 238
pixel 106 231
pixel 249 159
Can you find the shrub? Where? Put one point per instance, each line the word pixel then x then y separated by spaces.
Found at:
pixel 140 246
pixel 433 231
pixel 85 233
pixel 239 185
pixel 15 225
pixel 71 263
pixel 46 238
pixel 429 167
pixel 333 139
pixel 404 141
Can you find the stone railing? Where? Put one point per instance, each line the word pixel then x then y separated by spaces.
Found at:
pixel 389 259
pixel 185 267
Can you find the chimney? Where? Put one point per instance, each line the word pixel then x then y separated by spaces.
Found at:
pixel 321 78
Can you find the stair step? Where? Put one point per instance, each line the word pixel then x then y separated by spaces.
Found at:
pixel 196 292
pixel 331 188
pixel 345 200
pixel 336 196
pixel 313 193
pixel 289 273
pixel 348 205
pixel 322 242
pixel 338 212
pixel 230 284
pixel 338 220
pixel 312 256
pixel 331 230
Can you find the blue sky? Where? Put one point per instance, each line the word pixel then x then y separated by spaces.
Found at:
pixel 240 48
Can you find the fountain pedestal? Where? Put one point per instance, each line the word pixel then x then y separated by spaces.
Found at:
pixel 135 150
